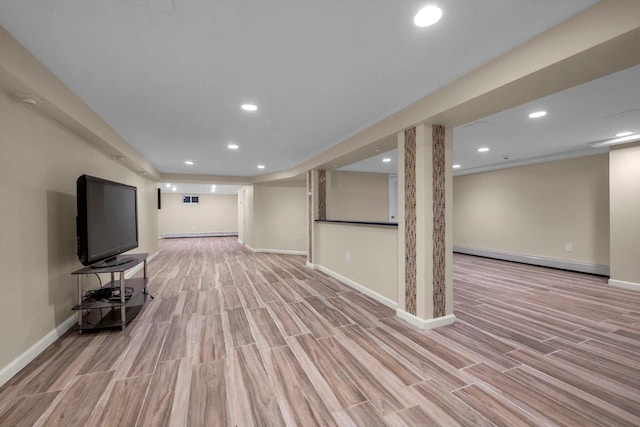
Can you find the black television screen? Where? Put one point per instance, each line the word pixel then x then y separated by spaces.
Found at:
pixel 107 221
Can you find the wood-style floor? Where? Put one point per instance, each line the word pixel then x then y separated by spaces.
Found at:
pixel 241 339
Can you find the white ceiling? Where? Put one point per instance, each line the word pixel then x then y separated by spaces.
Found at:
pixel 170 75
pixel 576 118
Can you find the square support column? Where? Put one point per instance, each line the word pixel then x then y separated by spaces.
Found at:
pixel 425 243
pixel 312 213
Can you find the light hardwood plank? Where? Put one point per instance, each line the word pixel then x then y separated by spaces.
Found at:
pixel 265 329
pixel 75 404
pixel 243 339
pixel 300 402
pixel 208 397
pixel 334 385
pixel 124 404
pixel 25 411
pixel 158 402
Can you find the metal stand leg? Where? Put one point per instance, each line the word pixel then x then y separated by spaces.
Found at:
pixel 123 317
pixel 80 296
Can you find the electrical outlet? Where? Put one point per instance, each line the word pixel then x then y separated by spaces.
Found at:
pixel 568 247
pixel 347 256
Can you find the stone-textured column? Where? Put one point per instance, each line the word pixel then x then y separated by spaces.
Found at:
pixel 410 273
pixel 322 194
pixel 425 243
pixel 439 221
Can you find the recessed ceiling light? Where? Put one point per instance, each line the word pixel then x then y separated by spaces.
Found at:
pixel 167 185
pixel 427 16
pixel 174 189
pixel 213 186
pixel 260 166
pixel 456 166
pixel 249 107
pixel 537 114
pixel 189 162
pixel 483 149
pixel 386 160
pixel 621 134
pixel 213 190
pixel 233 146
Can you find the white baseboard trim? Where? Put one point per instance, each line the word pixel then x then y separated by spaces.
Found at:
pixel 426 323
pixel 279 251
pixel 209 234
pixel 631 286
pixel 25 358
pixel 357 286
pixel 311 266
pixel 583 267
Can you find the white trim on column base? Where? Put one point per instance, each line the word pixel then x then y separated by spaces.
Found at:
pixel 625 285
pixel 583 267
pixel 426 323
pixel 357 286
pixel 25 358
pixel 311 266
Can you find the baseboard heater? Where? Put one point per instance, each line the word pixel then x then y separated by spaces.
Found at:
pixel 582 267
pixel 211 234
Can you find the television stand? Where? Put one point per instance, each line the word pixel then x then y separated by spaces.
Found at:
pixel 112 312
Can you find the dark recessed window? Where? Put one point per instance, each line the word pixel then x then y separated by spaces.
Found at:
pixel 190 199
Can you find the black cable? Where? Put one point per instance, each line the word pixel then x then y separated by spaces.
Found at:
pixel 98 294
pixel 99 279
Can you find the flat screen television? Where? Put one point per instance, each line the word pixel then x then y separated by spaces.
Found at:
pixel 107 221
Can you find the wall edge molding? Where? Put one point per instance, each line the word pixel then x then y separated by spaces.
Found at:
pixel 630 286
pixel 582 267
pixel 357 286
pixel 426 323
pixel 17 364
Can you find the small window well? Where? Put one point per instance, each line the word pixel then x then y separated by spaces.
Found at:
pixel 190 199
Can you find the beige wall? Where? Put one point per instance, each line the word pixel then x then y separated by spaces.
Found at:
pixel 40 161
pixel 214 213
pixel 537 209
pixel 357 196
pixel 279 218
pixel 372 251
pixel 624 169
